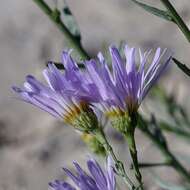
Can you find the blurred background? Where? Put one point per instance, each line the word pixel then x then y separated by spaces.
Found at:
pixel 34 145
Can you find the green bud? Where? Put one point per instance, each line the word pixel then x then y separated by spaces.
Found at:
pixel 94 145
pixel 86 120
pixel 121 122
pixel 124 122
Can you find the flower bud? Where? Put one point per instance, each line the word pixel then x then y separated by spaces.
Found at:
pixel 94 145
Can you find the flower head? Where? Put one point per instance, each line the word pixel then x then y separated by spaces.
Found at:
pixel 67 95
pixel 123 89
pixel 97 179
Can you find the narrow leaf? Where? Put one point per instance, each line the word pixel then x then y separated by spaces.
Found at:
pixel 173 129
pixel 155 11
pixel 148 165
pixel 70 22
pixel 156 130
pixel 61 66
pixel 182 66
pixel 152 129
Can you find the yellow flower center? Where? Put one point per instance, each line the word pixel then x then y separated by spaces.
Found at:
pixel 114 112
pixel 75 111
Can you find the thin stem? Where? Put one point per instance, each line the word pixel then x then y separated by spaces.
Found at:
pixel 133 153
pixel 118 164
pixel 178 20
pixel 130 137
pixel 54 16
pixel 170 158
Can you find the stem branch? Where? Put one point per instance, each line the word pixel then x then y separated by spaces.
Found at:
pixel 178 20
pixel 54 16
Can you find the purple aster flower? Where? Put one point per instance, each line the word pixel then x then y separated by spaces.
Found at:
pixel 66 96
pixel 97 179
pixel 126 86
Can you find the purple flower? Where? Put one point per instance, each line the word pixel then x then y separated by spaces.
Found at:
pixel 67 94
pixel 97 179
pixel 126 86
pixel 70 93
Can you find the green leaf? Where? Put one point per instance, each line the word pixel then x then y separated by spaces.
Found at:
pixel 182 66
pixel 70 22
pixel 152 129
pixel 155 11
pixel 177 114
pixel 176 130
pixel 148 165
pixel 156 130
pixel 61 66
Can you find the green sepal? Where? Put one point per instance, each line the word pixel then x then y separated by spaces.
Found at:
pixel 86 121
pixel 121 123
pixel 94 144
pixel 155 11
pixel 182 66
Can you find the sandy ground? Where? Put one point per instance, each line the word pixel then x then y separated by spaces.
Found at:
pixel 33 145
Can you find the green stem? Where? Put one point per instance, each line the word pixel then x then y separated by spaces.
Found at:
pixel 133 153
pixel 178 20
pixel 130 137
pixel 100 135
pixel 170 158
pixel 54 16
